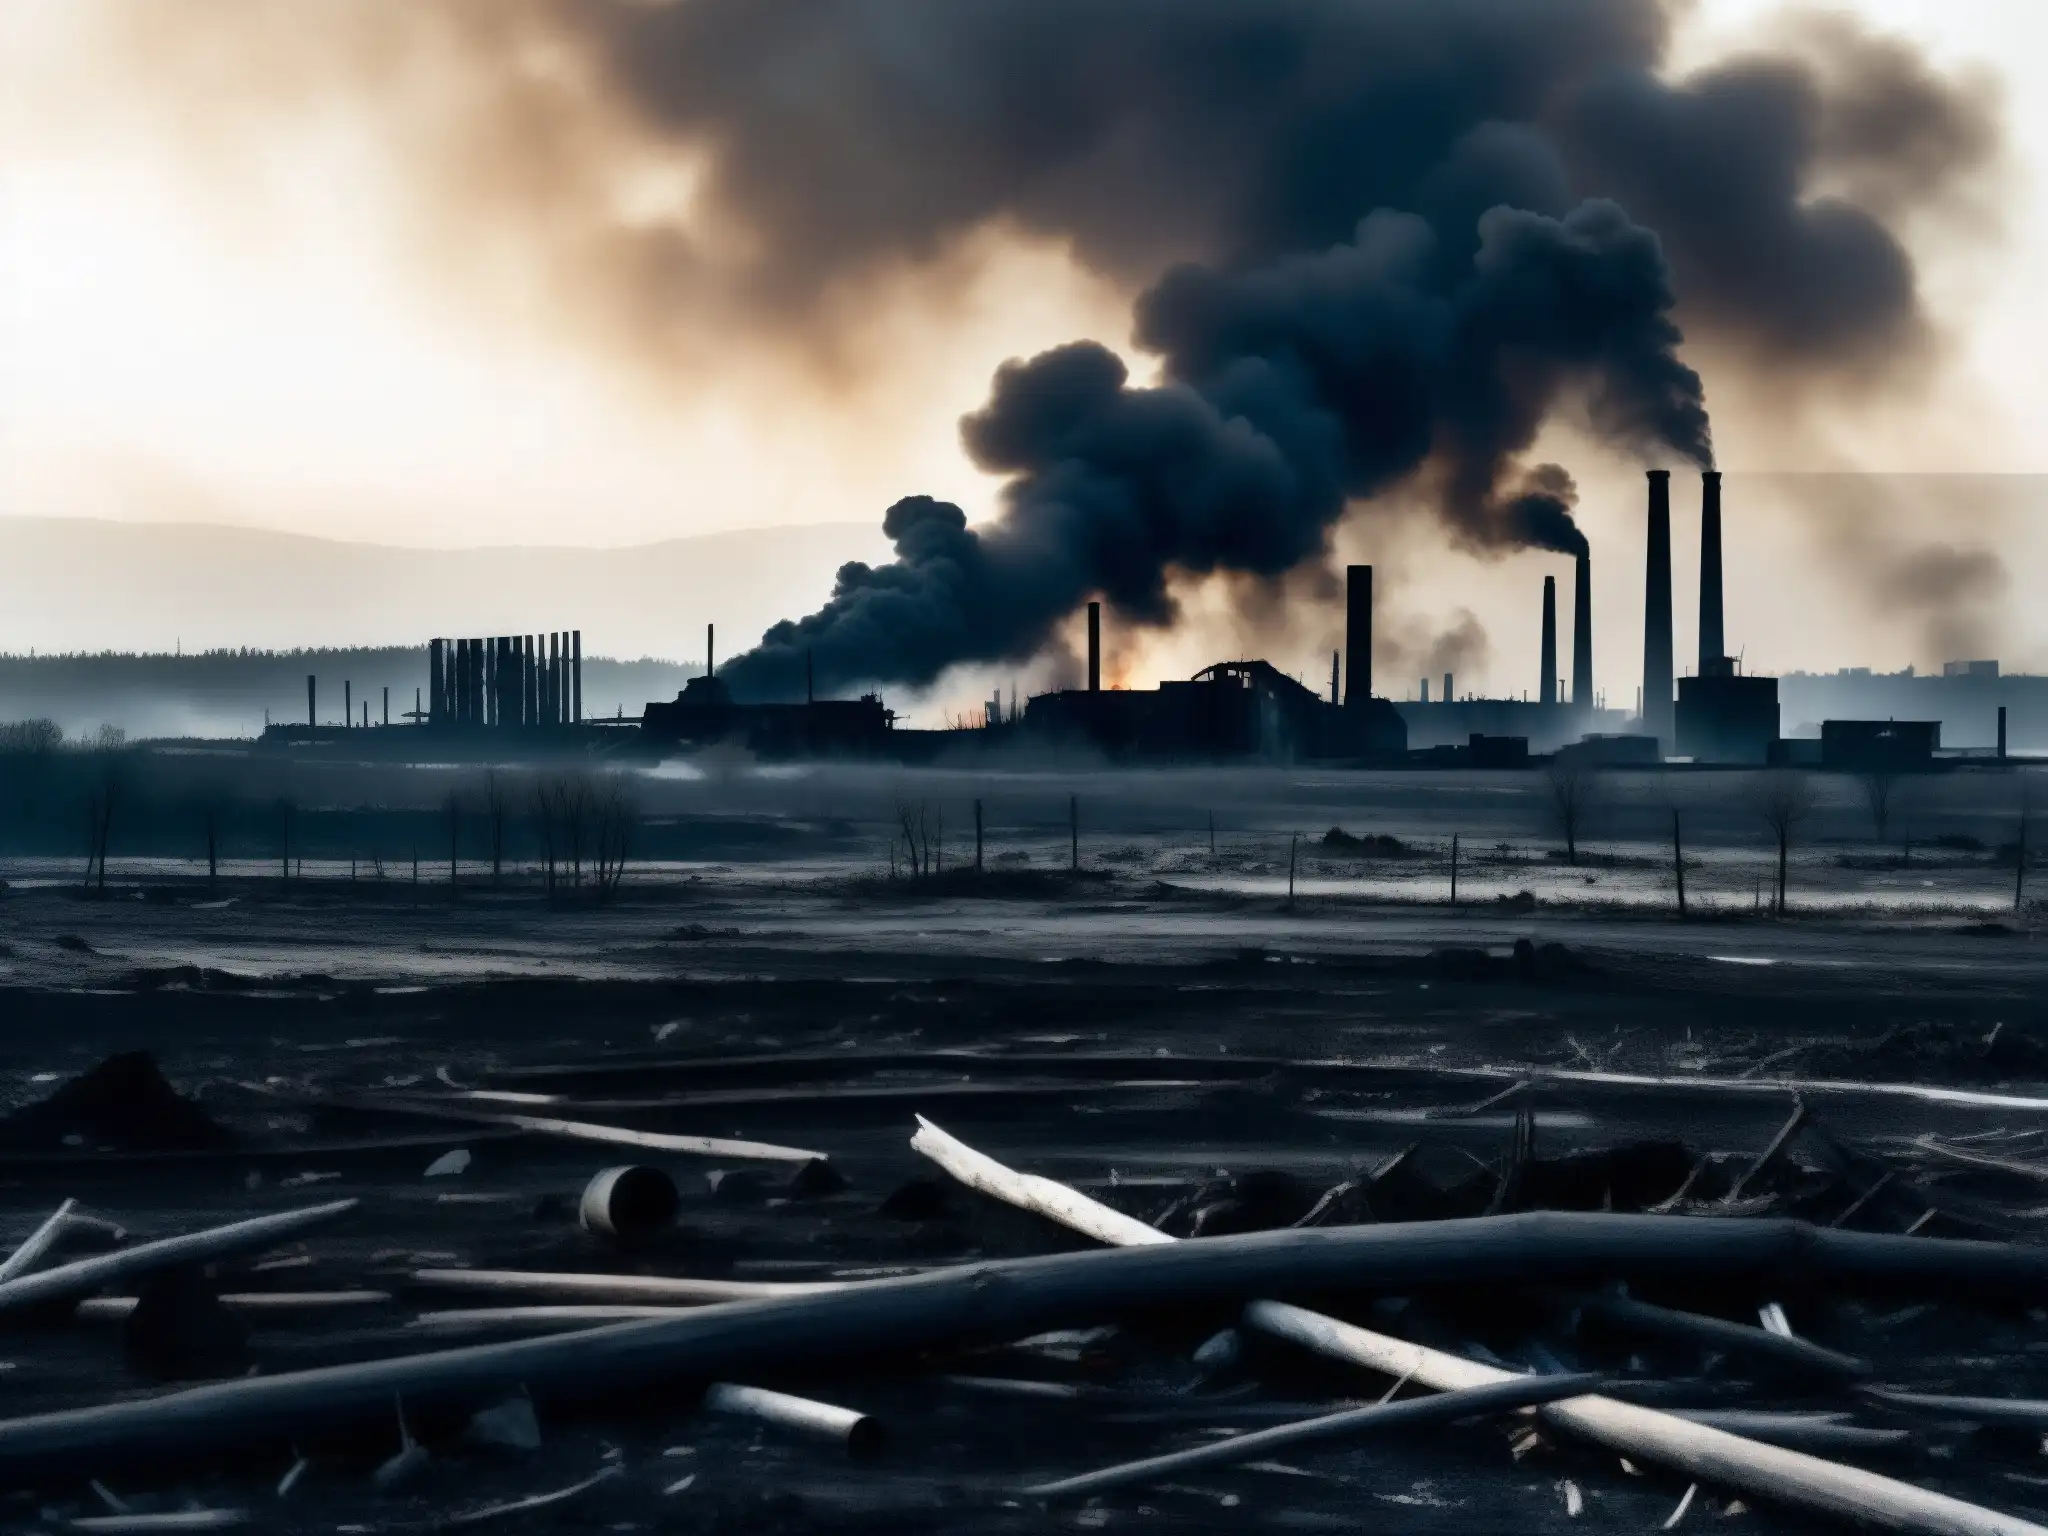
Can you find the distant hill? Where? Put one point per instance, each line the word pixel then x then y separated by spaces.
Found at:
pixel 80 585
pixel 72 585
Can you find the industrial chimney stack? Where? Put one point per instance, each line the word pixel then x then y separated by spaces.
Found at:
pixel 1658 716
pixel 1582 637
pixel 1095 647
pixel 1357 636
pixel 1713 639
pixel 1548 694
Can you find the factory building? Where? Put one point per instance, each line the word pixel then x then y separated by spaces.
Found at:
pixel 705 713
pixel 1233 709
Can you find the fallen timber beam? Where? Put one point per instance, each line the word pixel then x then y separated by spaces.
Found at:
pixel 38 1243
pixel 1440 1408
pixel 1703 1452
pixel 990 1303
pixel 641 1290
pixel 82 1277
pixel 1642 1317
pixel 2005 1412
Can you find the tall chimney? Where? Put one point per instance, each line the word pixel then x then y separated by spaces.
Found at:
pixel 1657 714
pixel 1582 636
pixel 1357 636
pixel 348 708
pixel 1335 696
pixel 311 718
pixel 710 650
pixel 1448 695
pixel 433 681
pixel 387 703
pixel 576 679
pixel 2001 733
pixel 1548 694
pixel 1095 647
pixel 1713 640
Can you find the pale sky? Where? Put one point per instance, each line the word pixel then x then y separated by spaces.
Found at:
pixel 247 332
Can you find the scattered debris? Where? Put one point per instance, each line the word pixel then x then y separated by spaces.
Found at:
pixel 859 1433
pixel 629 1203
pixel 449 1163
pixel 531 1501
pixel 124 1104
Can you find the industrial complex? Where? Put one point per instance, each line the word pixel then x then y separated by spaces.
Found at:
pixel 503 695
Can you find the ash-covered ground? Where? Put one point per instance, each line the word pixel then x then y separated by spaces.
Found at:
pixel 1164 1029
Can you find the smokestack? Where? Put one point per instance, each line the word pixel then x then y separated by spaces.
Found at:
pixel 1335 696
pixel 576 678
pixel 1713 641
pixel 1582 636
pixel 1448 695
pixel 311 718
pixel 1095 647
pixel 2001 733
pixel 433 680
pixel 1357 636
pixel 1425 690
pixel 348 708
pixel 1548 694
pixel 1657 712
pixel 387 703
pixel 710 650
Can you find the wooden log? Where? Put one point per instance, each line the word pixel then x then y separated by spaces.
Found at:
pixel 2013 1412
pixel 1718 1333
pixel 543 1319
pixel 112 1309
pixel 986 1303
pixel 1798 1431
pixel 859 1433
pixel 82 1277
pixel 1442 1408
pixel 1705 1453
pixel 644 1290
pixel 577 1130
pixel 37 1243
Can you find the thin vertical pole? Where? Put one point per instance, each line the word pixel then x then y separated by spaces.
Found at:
pixel 977 837
pixel 1293 847
pixel 348 708
pixel 576 679
pixel 1454 869
pixel 1678 859
pixel 387 703
pixel 1212 834
pixel 1074 830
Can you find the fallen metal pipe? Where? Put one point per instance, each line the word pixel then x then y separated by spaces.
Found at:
pixel 644 1290
pixel 1442 1408
pixel 38 1243
pixel 987 1303
pixel 82 1277
pixel 861 1434
pixel 1797 1431
pixel 629 1203
pixel 1707 1454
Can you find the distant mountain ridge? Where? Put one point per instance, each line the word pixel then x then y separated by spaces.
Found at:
pixel 85 585
pixel 143 591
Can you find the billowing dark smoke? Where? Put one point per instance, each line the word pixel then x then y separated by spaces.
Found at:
pixel 1293 390
pixel 1409 222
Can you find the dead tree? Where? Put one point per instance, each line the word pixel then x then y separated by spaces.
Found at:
pixel 497 800
pixel 1569 791
pixel 617 814
pixel 1784 800
pixel 577 803
pixel 453 807
pixel 915 818
pixel 542 798
pixel 1880 798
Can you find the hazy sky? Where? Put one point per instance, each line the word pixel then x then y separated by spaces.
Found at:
pixel 227 294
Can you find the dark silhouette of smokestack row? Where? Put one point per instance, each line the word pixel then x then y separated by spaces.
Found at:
pixel 1095 647
pixel 1582 636
pixel 1658 718
pixel 1357 636
pixel 1713 639
pixel 1548 694
pixel 506 680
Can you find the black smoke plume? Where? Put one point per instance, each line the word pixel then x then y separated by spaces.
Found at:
pixel 1406 219
pixel 1292 390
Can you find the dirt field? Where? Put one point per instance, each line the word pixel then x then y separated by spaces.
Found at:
pixel 1166 1031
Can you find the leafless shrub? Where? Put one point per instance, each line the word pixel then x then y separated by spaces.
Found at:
pixel 1784 800
pixel 1570 795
